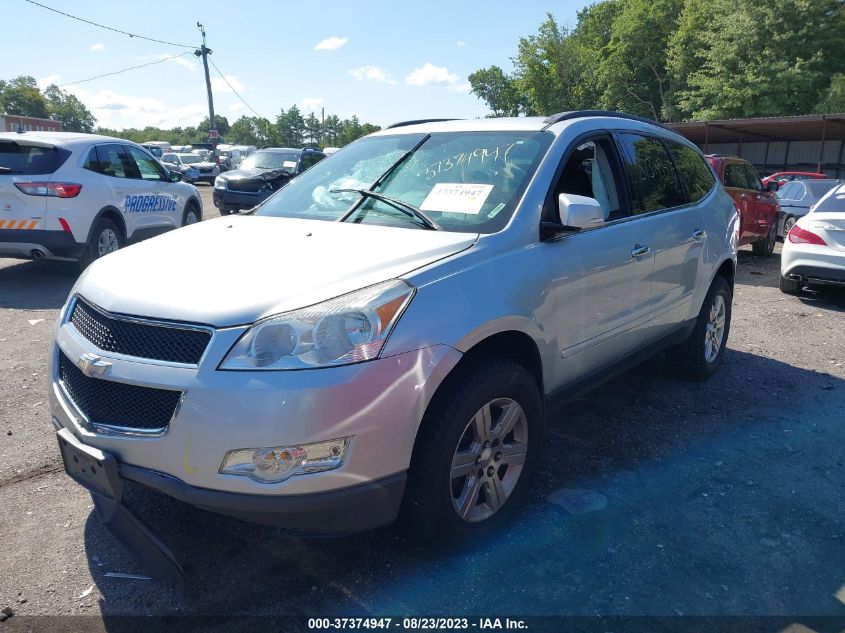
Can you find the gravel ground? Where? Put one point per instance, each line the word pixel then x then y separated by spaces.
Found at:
pixel 670 498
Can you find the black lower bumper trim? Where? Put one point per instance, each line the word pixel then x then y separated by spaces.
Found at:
pixel 818 275
pixel 354 509
pixel 59 243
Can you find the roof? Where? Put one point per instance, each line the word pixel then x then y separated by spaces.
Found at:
pixel 59 138
pixel 788 128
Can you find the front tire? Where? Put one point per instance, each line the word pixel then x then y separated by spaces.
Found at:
pixel 105 238
pixel 191 215
pixel 701 354
pixel 766 246
pixel 475 451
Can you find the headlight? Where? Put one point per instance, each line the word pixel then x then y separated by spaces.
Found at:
pixel 219 183
pixel 275 464
pixel 348 329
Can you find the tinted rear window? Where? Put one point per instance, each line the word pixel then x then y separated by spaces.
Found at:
pixel 20 158
pixel 819 187
pixel 833 203
pixel 694 171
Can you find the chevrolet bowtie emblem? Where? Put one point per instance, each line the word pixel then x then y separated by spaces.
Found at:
pixel 92 365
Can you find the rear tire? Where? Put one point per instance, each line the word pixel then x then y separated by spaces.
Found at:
pixel 699 357
pixel 789 286
pixel 475 452
pixel 105 238
pixel 788 223
pixel 766 246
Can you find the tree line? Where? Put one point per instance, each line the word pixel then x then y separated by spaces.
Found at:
pixel 291 128
pixel 676 60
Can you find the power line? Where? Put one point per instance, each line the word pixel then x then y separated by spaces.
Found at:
pixel 118 72
pixel 108 28
pixel 237 94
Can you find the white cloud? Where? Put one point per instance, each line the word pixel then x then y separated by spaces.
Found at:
pixel 236 107
pixel 181 60
pixel 331 43
pixel 371 73
pixel 461 44
pixel 98 48
pixel 428 74
pixel 46 81
pixel 119 111
pixel 312 103
pixel 218 85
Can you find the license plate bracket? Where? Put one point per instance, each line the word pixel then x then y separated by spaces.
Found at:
pixel 90 467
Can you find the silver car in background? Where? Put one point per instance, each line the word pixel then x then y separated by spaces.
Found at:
pixel 394 323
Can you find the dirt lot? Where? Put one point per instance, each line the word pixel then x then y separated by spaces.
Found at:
pixel 716 498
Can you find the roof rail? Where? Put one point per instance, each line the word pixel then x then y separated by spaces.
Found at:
pixel 415 122
pixel 578 114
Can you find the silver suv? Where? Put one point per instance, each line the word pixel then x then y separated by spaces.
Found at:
pixel 394 323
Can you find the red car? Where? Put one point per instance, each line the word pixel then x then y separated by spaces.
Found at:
pixel 757 205
pixel 782 177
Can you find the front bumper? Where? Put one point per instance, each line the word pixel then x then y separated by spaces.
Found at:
pixel 21 243
pixel 237 200
pixel 378 404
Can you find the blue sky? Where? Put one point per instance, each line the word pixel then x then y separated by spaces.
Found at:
pixel 384 61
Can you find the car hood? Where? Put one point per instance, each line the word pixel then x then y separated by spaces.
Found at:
pixel 247 174
pixel 236 270
pixel 204 164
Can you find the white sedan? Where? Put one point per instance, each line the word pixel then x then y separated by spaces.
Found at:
pixel 814 251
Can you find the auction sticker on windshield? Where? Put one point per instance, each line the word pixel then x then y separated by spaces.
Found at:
pixel 455 197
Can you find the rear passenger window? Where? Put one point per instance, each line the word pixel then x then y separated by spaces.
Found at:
pixel 735 176
pixel 651 174
pixel 693 169
pixel 752 178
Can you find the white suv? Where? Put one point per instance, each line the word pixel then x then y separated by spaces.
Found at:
pixel 412 305
pixel 81 196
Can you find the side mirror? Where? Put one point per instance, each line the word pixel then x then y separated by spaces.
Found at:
pixel 772 186
pixel 579 211
pixel 175 176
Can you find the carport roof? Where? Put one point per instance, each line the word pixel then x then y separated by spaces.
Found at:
pixel 812 127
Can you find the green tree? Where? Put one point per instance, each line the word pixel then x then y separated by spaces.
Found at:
pixel 499 91
pixel 745 58
pixel 21 96
pixel 290 127
pixel 833 100
pixel 250 130
pixel 221 125
pixel 313 130
pixel 632 75
pixel 65 107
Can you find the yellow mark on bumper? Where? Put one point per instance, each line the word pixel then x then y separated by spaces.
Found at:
pixel 186 456
pixel 18 224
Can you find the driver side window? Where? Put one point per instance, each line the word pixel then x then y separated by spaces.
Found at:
pixel 590 171
pixel 148 168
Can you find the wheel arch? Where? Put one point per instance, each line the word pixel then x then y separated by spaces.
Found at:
pixel 109 213
pixel 726 269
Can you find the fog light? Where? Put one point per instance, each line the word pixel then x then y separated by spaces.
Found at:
pixel 275 464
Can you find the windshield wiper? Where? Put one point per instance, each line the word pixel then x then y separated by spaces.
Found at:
pixel 401 205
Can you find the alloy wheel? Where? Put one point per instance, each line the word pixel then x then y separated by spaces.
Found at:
pixel 489 459
pixel 715 333
pixel 108 242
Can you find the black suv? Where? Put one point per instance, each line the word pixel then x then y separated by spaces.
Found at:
pixel 261 174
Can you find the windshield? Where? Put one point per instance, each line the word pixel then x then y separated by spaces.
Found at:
pixel 271 160
pixel 465 181
pixel 190 159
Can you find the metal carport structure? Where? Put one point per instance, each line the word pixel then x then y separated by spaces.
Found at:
pixel 801 143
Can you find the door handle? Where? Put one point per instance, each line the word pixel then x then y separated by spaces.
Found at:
pixel 698 235
pixel 640 251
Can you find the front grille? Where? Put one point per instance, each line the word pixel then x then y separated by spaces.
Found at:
pixel 246 186
pixel 116 404
pixel 132 338
pixel 206 170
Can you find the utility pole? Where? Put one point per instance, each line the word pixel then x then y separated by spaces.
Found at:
pixel 204 52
